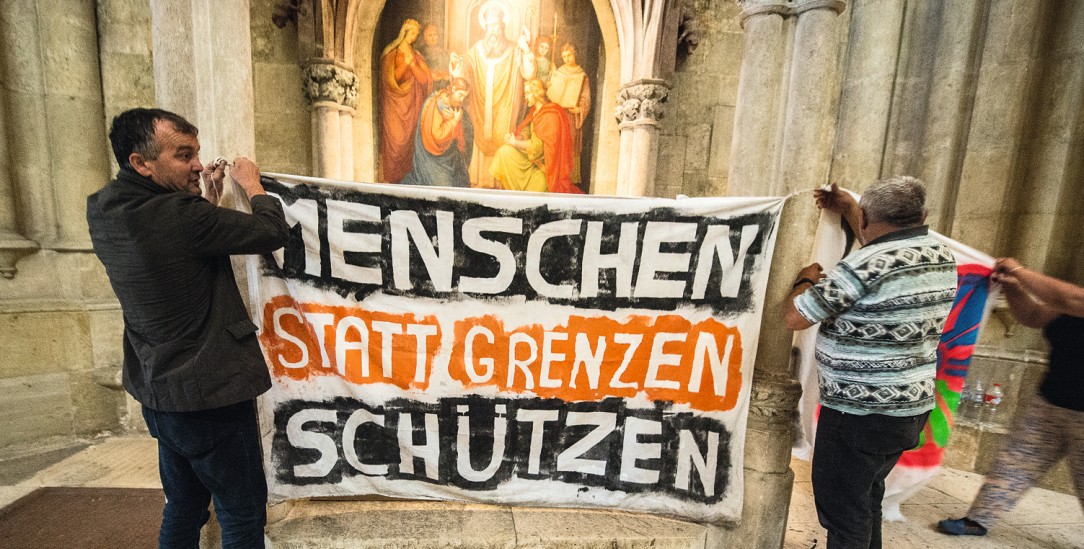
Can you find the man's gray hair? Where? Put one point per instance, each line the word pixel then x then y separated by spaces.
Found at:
pixel 899 201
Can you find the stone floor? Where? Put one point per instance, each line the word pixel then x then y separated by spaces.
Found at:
pixel 1043 519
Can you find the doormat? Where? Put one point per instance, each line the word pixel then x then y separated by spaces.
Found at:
pixel 90 518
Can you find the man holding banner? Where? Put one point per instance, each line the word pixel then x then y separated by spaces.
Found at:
pixel 881 310
pixel 191 357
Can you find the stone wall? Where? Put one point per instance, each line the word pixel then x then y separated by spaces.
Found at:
pixel 283 129
pixel 695 134
pixel 982 100
pixel 59 324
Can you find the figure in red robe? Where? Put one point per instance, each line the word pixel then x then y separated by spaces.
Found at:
pixel 405 83
pixel 539 156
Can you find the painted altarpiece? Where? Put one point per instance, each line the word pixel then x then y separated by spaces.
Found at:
pixel 443 40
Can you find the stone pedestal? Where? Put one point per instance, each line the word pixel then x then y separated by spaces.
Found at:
pixel 422 524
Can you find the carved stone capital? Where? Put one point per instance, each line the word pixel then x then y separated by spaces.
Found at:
pixel 753 9
pixel 328 82
pixel 802 6
pixel 787 8
pixel 640 102
pixel 773 404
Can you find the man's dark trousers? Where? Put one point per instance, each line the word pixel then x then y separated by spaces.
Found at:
pixel 210 453
pixel 851 458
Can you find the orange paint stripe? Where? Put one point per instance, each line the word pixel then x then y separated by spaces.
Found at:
pixel 302 340
pixel 664 358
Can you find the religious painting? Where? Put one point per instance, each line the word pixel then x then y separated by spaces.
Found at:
pixel 490 94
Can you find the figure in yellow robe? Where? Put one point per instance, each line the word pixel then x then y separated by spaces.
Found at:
pixel 538 157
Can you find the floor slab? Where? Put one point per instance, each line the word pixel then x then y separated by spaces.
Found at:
pixel 1043 518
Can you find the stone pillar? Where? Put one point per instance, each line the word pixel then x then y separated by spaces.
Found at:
pixel 639 108
pixel 1044 230
pixel 13 246
pixel 799 133
pixel 332 91
pixel 203 71
pixel 1011 53
pixel 805 155
pixel 51 94
pixel 647 36
pixel 948 111
pixel 1064 146
pixel 756 110
pixel 866 98
pixel 346 134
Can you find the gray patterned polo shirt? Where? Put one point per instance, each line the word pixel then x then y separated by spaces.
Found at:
pixel 882 309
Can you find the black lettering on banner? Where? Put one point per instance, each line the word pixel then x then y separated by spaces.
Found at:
pixel 476 444
pixel 442 248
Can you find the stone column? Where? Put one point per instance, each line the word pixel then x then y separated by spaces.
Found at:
pixel 1012 51
pixel 332 91
pixel 13 246
pixel 1044 230
pixel 203 70
pixel 639 108
pixel 949 104
pixel 756 110
pixel 648 39
pixel 866 98
pixel 346 136
pixel 799 133
pixel 51 99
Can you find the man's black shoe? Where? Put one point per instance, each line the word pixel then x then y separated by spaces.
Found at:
pixel 961 527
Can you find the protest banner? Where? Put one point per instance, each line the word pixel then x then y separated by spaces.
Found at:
pixel 511 348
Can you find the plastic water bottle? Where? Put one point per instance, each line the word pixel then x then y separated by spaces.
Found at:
pixel 992 401
pixel 963 408
pixel 977 395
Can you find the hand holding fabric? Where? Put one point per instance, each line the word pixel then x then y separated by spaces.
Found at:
pixel 212 176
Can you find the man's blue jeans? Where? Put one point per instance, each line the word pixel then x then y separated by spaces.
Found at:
pixel 211 453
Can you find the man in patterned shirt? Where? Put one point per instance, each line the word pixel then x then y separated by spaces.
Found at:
pixel 881 311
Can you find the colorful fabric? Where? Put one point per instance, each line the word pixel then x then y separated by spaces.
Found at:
pixel 880 312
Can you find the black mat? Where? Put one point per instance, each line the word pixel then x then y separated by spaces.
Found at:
pixel 89 518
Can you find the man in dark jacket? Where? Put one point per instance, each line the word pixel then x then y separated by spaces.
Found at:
pixel 190 352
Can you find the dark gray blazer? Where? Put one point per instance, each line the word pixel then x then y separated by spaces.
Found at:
pixel 189 344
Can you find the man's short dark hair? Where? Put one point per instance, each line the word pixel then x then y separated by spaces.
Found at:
pixel 133 132
pixel 898 201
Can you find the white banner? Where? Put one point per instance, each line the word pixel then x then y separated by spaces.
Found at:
pixel 512 348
